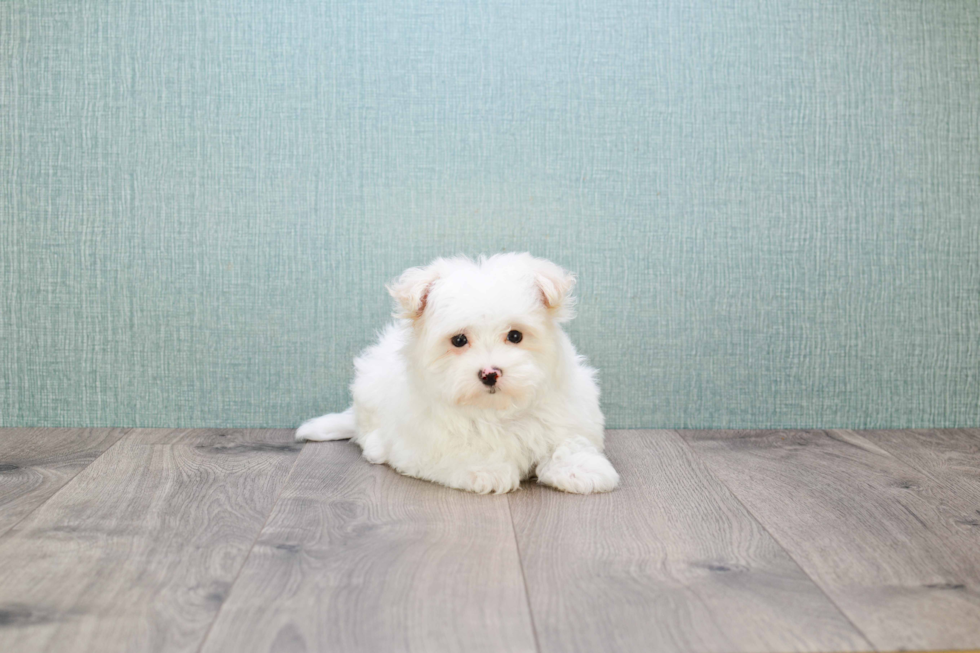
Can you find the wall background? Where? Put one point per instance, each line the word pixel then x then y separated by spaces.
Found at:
pixel 773 207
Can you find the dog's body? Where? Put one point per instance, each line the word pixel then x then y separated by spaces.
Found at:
pixel 476 386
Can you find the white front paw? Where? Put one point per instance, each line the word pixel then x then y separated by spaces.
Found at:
pixel 497 478
pixel 373 449
pixel 582 472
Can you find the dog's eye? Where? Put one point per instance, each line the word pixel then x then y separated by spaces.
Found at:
pixel 515 336
pixel 458 341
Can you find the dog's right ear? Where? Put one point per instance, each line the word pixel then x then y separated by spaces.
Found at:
pixel 411 291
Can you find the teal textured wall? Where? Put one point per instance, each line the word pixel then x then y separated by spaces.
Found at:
pixel 773 207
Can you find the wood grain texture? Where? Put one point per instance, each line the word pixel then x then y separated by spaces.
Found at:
pixel 894 548
pixel 951 456
pixel 229 440
pixel 358 558
pixel 140 549
pixel 670 561
pixel 36 462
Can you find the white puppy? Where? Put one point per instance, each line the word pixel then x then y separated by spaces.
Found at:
pixel 476 386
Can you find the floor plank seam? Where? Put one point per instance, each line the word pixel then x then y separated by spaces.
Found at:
pixel 258 534
pixel 902 460
pixel 741 540
pixel 68 482
pixel 520 563
pixel 847 617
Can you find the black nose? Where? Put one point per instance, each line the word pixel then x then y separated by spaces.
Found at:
pixel 489 377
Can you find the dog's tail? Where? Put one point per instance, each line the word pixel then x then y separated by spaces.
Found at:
pixel 335 426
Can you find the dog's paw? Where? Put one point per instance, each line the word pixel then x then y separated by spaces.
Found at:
pixel 582 472
pixel 497 478
pixel 373 449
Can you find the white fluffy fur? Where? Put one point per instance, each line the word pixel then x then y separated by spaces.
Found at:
pixel 419 403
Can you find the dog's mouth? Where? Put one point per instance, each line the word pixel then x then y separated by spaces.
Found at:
pixel 492 397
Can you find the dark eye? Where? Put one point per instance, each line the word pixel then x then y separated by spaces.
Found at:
pixel 458 341
pixel 515 336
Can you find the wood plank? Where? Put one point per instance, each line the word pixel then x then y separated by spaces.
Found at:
pixel 219 439
pixel 36 462
pixel 881 538
pixel 951 456
pixel 140 549
pixel 358 558
pixel 670 561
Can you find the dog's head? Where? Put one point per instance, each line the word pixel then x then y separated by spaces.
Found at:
pixel 484 333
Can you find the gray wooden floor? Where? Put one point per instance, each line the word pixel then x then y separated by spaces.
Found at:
pixel 721 541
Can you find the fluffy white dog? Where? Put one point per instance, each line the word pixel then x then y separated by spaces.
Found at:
pixel 475 385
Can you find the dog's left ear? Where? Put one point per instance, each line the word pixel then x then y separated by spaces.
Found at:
pixel 555 284
pixel 411 291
